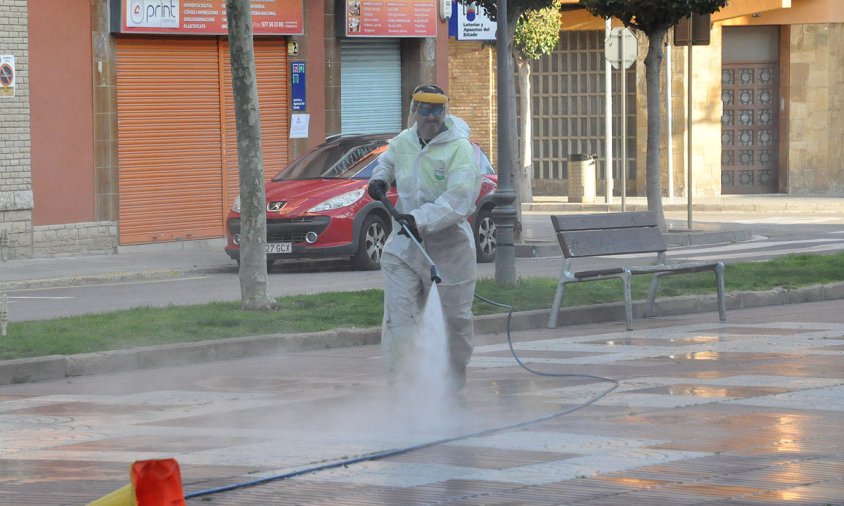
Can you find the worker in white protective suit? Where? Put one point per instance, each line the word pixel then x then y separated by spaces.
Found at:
pixel 438 180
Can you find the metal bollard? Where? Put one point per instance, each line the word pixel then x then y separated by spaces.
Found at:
pixel 4 314
pixel 4 244
pixel 4 306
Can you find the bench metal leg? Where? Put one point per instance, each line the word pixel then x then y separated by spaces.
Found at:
pixel 649 307
pixel 628 300
pixel 555 308
pixel 722 303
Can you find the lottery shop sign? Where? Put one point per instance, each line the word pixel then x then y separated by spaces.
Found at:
pixel 203 17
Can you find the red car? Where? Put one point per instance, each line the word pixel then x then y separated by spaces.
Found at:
pixel 318 207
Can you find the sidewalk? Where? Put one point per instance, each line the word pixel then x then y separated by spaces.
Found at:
pixel 173 259
pixel 745 412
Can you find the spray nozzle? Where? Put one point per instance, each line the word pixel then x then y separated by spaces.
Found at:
pixel 435 275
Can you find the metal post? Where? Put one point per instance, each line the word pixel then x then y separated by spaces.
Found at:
pixel 4 305
pixel 623 123
pixel 689 186
pixel 669 130
pixel 608 120
pixel 504 213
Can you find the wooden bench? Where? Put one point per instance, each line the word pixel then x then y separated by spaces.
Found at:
pixel 593 235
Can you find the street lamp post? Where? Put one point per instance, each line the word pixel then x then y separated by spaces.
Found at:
pixel 504 213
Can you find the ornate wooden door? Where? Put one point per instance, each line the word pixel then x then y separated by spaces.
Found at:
pixel 749 128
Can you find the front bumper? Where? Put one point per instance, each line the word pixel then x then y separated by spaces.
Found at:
pixel 292 231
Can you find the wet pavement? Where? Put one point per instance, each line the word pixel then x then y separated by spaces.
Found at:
pixel 747 412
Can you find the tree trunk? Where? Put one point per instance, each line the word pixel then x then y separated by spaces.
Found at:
pixel 254 288
pixel 653 65
pixel 515 177
pixel 525 134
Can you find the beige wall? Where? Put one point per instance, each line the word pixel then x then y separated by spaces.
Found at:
pixel 706 121
pixel 706 125
pixel 815 129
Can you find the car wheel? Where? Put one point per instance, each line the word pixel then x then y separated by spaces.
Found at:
pixel 373 235
pixel 485 242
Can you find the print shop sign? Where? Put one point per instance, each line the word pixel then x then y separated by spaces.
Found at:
pixel 208 17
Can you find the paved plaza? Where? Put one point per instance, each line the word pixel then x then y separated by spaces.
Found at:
pixel 744 412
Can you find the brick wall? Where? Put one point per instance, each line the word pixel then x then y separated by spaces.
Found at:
pixel 15 160
pixel 471 89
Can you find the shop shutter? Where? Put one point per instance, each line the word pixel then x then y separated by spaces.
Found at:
pixel 177 150
pixel 271 71
pixel 370 91
pixel 168 96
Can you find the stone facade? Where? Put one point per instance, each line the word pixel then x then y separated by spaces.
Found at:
pixel 706 122
pixel 15 146
pixel 815 130
pixel 75 239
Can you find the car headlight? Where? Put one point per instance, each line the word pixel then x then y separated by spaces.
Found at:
pixel 236 205
pixel 339 201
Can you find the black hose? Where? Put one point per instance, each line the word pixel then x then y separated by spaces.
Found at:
pixel 398 451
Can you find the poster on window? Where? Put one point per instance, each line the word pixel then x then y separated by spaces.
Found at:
pixel 395 18
pixel 207 17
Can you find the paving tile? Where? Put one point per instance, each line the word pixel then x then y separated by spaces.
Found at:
pixel 705 413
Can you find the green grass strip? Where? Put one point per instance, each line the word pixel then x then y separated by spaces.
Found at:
pixel 147 326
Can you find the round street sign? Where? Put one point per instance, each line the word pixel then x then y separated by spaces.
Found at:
pixel 7 75
pixel 621 48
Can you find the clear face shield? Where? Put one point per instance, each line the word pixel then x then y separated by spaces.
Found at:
pixel 428 111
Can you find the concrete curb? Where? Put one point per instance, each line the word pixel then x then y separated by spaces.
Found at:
pixel 97 279
pixel 770 205
pixel 60 366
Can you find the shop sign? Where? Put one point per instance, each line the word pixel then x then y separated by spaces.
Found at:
pixel 297 85
pixel 473 22
pixel 7 75
pixel 394 18
pixel 205 17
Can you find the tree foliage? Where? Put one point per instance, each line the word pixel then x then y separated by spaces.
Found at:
pixel 538 32
pixel 651 16
pixel 654 18
pixel 515 8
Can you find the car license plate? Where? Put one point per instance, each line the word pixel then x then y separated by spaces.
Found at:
pixel 279 247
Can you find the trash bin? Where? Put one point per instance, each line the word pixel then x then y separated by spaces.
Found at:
pixel 581 178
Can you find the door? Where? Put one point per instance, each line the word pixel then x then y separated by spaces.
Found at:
pixel 750 119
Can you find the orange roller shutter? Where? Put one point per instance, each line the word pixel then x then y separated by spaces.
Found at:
pixel 271 72
pixel 176 134
pixel 168 134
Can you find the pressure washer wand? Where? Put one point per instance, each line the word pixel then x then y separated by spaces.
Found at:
pixel 435 273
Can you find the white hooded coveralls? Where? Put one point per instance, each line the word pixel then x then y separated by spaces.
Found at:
pixel 438 184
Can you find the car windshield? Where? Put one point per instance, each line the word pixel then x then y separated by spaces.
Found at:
pixel 366 172
pixel 331 160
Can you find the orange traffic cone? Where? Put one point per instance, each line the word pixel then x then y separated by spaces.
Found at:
pixel 154 483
